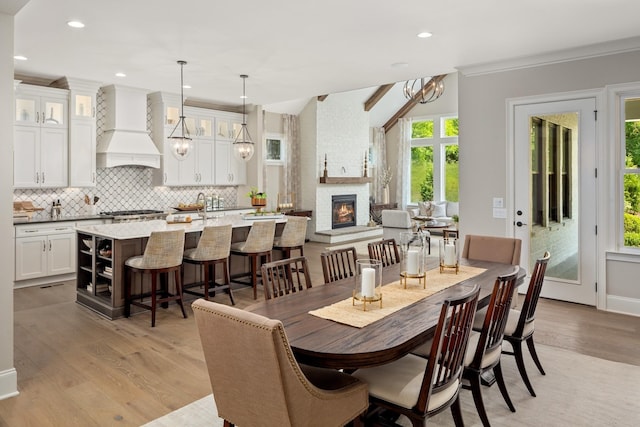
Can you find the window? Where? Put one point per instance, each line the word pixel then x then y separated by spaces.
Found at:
pixel 434 159
pixel 631 174
pixel 274 149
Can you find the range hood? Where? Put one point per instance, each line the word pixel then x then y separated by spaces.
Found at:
pixel 125 140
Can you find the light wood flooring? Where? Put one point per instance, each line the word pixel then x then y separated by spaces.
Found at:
pixel 76 368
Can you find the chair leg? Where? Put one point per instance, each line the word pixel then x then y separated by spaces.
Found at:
pixel 128 277
pixel 517 352
pixel 179 292
pixel 534 355
pixel 497 370
pixel 254 275
pixel 154 286
pixel 205 268
pixel 456 412
pixel 477 399
pixel 227 281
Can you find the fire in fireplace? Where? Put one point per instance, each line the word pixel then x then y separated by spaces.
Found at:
pixel 343 211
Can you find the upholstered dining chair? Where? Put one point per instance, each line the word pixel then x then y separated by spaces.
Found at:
pixel 418 387
pixel 385 250
pixel 492 248
pixel 213 249
pixel 258 245
pixel 285 276
pixel 293 236
pixel 520 325
pixel 162 255
pixel 338 264
pixel 265 386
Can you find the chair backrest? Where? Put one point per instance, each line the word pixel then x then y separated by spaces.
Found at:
pixel 490 341
pixel 266 382
pixel 491 248
pixel 528 312
pixel 294 232
pixel 338 264
pixel 164 249
pixel 446 359
pixel 260 238
pixel 385 251
pixel 284 276
pixel 214 243
pixel 396 219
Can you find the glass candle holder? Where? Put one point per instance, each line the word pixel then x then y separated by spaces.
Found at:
pixel 449 254
pixel 368 282
pixel 414 257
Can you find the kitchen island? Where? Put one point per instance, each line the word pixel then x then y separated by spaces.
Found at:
pixel 103 249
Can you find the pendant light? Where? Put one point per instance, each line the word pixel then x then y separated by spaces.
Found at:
pixel 422 90
pixel 243 146
pixel 181 142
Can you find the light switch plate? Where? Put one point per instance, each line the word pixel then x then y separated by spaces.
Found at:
pixel 498 202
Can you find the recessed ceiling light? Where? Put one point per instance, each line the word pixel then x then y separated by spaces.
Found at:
pixel 424 35
pixel 20 58
pixel 75 24
pixel 121 75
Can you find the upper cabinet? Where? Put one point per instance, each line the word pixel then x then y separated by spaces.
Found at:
pixel 40 137
pixel 228 126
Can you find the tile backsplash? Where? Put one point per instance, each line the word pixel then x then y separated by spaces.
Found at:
pixel 121 188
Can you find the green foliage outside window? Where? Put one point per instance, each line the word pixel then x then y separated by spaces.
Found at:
pixel 422 129
pixel 632 186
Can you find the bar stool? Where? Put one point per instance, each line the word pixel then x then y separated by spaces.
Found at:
pixel 293 236
pixel 163 254
pixel 259 244
pixel 213 248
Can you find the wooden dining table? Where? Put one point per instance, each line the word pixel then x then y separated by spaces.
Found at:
pixel 325 343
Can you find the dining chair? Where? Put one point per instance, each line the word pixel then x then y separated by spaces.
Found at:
pixel 338 264
pixel 266 386
pixel 258 245
pixel 162 255
pixel 418 387
pixel 520 324
pixel 213 249
pixel 385 250
pixel 492 248
pixel 293 236
pixel 285 276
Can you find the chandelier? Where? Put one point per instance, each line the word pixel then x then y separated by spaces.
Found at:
pixel 423 92
pixel 243 146
pixel 181 142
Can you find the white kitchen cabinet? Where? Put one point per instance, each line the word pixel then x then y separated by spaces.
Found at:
pixel 43 250
pixel 40 137
pixel 228 169
pixel 227 126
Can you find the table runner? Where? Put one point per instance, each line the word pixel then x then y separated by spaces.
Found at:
pixel 394 297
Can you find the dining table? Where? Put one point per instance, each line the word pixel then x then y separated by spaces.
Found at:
pixel 327 343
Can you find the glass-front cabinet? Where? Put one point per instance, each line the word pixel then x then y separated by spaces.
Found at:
pixel 36 110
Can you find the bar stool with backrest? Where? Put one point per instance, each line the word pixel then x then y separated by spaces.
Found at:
pixel 258 245
pixel 162 255
pixel 293 236
pixel 213 249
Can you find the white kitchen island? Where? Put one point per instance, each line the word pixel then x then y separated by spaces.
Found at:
pixel 100 264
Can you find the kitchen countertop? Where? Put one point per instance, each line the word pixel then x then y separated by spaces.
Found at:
pixel 134 230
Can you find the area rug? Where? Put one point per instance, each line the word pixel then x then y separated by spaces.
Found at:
pixel 578 390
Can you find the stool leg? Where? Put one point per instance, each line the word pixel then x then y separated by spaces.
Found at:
pixel 128 277
pixel 254 274
pixel 154 286
pixel 205 267
pixel 179 292
pixel 227 280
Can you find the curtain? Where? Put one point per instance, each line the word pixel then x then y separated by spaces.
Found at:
pixel 380 162
pixel 291 180
pixel 403 180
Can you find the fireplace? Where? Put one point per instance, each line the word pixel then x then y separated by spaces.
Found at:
pixel 343 211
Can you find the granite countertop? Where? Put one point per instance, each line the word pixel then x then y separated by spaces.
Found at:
pixel 134 230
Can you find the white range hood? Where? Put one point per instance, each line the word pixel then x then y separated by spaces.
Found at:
pixel 125 140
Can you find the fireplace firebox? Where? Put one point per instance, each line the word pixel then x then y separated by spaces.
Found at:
pixel 343 211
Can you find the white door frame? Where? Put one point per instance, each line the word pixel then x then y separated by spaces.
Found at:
pixel 601 156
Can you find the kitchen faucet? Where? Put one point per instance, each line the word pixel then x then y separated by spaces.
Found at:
pixel 200 201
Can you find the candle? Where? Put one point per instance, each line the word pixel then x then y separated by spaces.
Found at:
pixel 412 261
pixel 449 254
pixel 368 282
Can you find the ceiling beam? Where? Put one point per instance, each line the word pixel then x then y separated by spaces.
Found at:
pixel 322 97
pixel 410 103
pixel 377 96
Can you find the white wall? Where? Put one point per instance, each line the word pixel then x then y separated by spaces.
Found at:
pixel 8 374
pixel 483 130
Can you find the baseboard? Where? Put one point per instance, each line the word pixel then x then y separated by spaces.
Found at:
pixel 8 383
pixel 623 305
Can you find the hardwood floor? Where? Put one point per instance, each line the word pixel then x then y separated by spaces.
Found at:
pixel 76 368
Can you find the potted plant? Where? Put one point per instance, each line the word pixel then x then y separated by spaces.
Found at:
pixel 258 198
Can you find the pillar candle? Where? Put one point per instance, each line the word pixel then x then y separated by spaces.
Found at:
pixel 449 254
pixel 368 281
pixel 412 261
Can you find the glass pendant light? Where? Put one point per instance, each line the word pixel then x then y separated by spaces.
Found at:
pixel 243 146
pixel 181 142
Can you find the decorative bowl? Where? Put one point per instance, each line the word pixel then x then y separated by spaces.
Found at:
pixel 88 243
